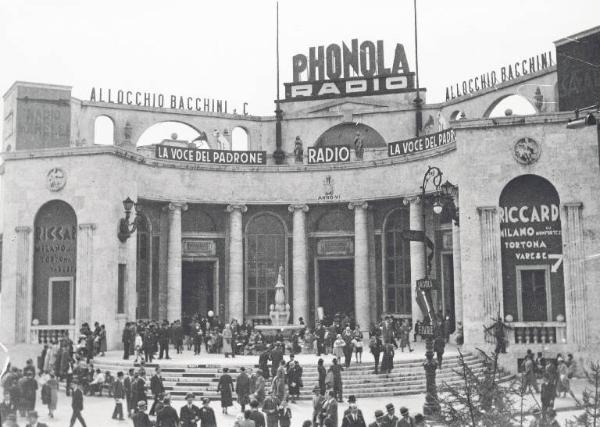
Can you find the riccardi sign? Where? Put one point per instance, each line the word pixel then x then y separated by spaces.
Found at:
pixel 338 71
pixel 223 157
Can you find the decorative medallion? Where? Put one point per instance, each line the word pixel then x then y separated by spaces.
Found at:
pixel 56 179
pixel 526 151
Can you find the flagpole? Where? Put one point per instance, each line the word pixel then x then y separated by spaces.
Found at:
pixel 278 154
pixel 418 101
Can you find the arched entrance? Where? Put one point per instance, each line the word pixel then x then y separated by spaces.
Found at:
pixel 54 264
pixel 345 133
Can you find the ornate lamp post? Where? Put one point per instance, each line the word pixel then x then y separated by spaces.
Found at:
pixel 126 229
pixel 442 192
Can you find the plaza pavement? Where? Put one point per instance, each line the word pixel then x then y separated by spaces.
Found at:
pixel 98 410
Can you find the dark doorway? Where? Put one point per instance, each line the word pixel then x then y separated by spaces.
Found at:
pixel 447 303
pixel 197 284
pixel 336 286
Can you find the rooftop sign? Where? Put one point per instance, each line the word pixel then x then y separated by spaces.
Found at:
pixel 338 71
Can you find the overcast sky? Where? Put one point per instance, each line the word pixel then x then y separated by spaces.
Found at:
pixel 226 49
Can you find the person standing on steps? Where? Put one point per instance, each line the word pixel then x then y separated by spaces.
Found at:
pixel 405 336
pixel 225 387
pixel 322 375
pixel 157 388
pixel 207 414
pixel 375 347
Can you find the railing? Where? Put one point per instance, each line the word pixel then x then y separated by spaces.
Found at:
pixel 49 333
pixel 539 332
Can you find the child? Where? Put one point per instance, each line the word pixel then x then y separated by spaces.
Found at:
pixel 285 414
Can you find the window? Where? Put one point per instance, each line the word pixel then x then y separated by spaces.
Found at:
pixel 61 307
pixel 104 131
pixel 533 290
pixel 121 288
pixel 397 263
pixel 239 139
pixel 266 248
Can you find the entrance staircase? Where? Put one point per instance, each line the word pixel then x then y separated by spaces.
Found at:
pixel 407 377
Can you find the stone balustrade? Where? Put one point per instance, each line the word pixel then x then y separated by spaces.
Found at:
pixel 51 333
pixel 538 332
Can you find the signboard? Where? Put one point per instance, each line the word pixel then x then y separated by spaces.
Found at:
pixel 330 154
pixel 159 100
pixel 531 241
pixel 224 157
pixel 578 71
pixel 43 123
pixel 509 72
pixel 422 143
pixel 425 284
pixel 335 247
pixel 199 247
pixel 357 70
pixel 425 330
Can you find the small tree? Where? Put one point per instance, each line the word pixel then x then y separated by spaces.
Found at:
pixel 591 398
pixel 482 399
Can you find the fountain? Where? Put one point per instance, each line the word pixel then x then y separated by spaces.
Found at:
pixel 279 313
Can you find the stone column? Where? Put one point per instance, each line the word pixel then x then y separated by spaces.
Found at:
pixel 491 264
pixel 574 271
pixel 417 256
pixel 174 261
pixel 85 274
pixel 300 266
pixel 23 285
pixel 361 265
pixel 236 262
pixel 458 293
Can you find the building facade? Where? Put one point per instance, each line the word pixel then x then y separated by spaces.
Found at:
pixel 519 239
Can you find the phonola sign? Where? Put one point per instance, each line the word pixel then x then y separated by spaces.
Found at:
pixel 359 69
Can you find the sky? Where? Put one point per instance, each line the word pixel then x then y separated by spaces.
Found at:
pixel 226 49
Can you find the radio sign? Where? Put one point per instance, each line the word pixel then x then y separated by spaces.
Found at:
pixel 337 71
pixel 331 154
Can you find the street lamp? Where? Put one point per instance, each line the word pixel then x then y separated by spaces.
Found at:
pixel 126 229
pixel 443 195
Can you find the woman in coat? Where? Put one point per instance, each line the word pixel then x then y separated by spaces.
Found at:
pixel 227 341
pixel 52 385
pixel 338 347
pixel 336 370
pixel 259 387
pixel 225 387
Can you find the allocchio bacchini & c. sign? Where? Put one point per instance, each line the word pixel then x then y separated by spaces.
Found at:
pixel 223 157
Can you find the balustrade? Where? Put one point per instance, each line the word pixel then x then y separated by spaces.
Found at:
pixel 48 334
pixel 539 332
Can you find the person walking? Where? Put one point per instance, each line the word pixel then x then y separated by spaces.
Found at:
pixel 390 418
pixel 336 370
pixel 294 379
pixel 564 381
pixel 163 340
pixel 379 419
pixel 406 420
pixel 227 341
pixel 330 409
pixel 375 347
pixel 263 361
pixel 255 415
pixel 259 387
pixel 353 417
pixel 52 387
pixel 127 388
pixel 322 375
pixel 357 342
pixel 242 388
pixel 118 393
pixel 405 336
pixel 167 416
pixel 207 414
pixel 318 400
pixel 225 387
pixel 77 405
pixel 157 388
pixel 29 388
pixel 141 419
pixel 530 380
pixel 338 347
pixel 284 414
pixel 439 343
pixel 189 414
pixel 279 386
pixel 270 407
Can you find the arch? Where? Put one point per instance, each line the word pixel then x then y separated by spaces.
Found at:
pixel 239 139
pixel 531 244
pixel 104 130
pixel 345 133
pixel 196 220
pixel 457 115
pixel 165 130
pixel 396 262
pixel 265 251
pixel 518 104
pixel 336 220
pixel 54 264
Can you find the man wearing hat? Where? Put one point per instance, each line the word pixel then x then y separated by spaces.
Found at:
pixel 32 420
pixel 419 420
pixel 353 417
pixel 255 415
pixel 390 419
pixel 351 403
pixel 77 405
pixel 378 419
pixel 141 419
pixel 190 413
pixel 207 414
pixel 406 420
pixel 167 416
pixel 318 401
